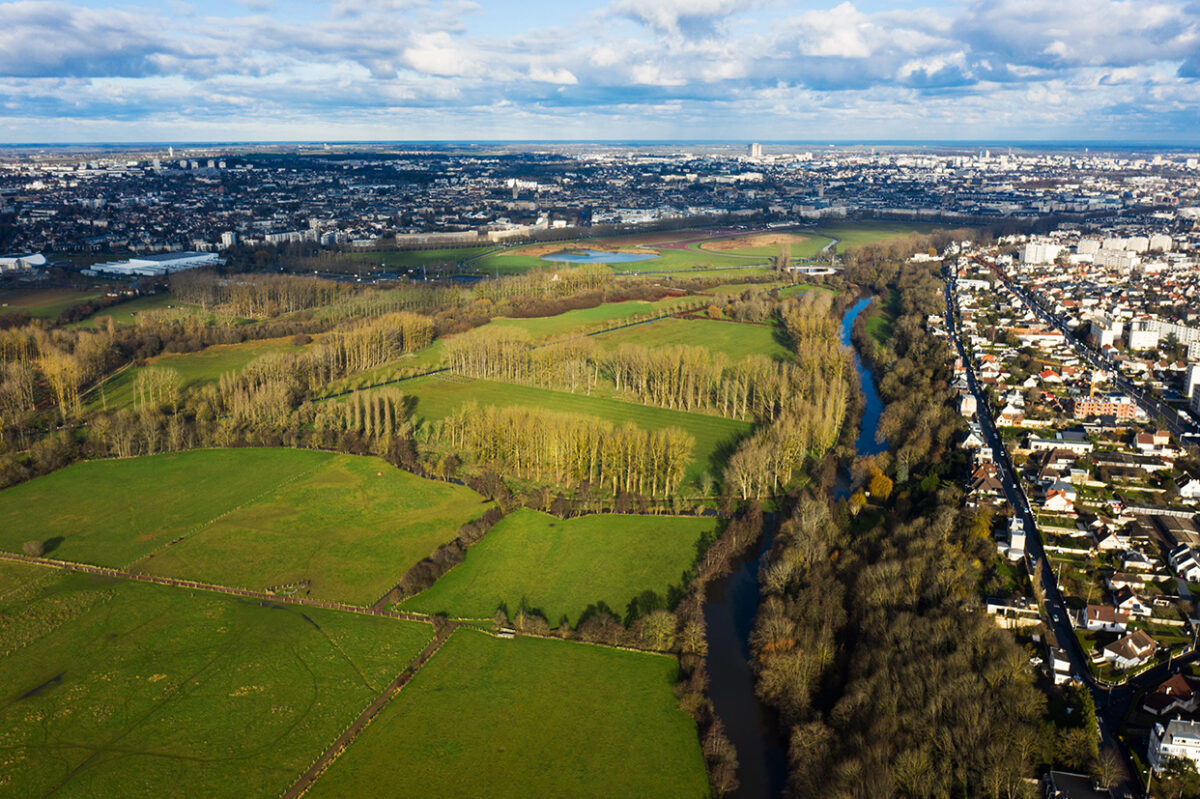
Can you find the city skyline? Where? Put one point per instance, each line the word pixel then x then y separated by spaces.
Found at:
pixel 259 70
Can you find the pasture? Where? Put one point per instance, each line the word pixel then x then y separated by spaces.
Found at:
pixel 585 319
pixel 126 313
pixel 558 568
pixel 44 303
pixel 527 717
pixel 732 338
pixel 195 369
pixel 438 396
pixel 328 526
pixel 131 689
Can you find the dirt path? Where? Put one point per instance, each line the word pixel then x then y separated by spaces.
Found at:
pixel 104 571
pixel 346 738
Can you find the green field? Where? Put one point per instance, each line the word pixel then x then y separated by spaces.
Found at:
pixel 735 340
pixel 881 317
pixel 439 396
pixel 669 260
pixel 527 717
pixel 869 231
pixel 126 313
pixel 585 319
pixel 348 527
pixel 195 369
pixel 44 303
pixel 559 568
pixel 131 689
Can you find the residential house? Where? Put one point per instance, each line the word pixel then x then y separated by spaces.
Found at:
pixel 1137 561
pixel 1184 561
pixel 1103 617
pixel 1131 650
pixel 1174 695
pixel 1189 488
pixel 1127 601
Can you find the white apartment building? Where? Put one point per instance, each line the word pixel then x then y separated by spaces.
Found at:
pixel 1178 739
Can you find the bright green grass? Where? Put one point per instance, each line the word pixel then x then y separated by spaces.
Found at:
pixel 735 340
pixel 145 690
pixel 716 437
pixel 559 568
pixel 114 512
pixel 585 319
pixel 348 526
pixel 527 717
pixel 195 369
pixel 350 529
pixel 858 233
pixel 44 303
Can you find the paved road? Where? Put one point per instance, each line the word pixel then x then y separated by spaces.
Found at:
pixel 1112 702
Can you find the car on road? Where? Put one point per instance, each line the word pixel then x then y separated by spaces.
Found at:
pixel 1056 618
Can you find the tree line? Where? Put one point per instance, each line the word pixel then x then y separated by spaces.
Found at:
pixel 568 449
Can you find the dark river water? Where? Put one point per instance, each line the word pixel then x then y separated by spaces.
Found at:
pixel 730 607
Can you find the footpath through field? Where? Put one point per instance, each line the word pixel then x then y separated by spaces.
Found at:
pixel 105 571
pixel 346 738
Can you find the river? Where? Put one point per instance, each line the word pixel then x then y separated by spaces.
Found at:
pixel 729 610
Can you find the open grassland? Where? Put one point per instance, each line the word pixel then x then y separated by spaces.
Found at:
pixel 44 303
pixel 344 527
pixel 764 245
pixel 558 568
pixel 732 338
pixel 867 231
pixel 195 369
pixel 527 717
pixel 668 260
pixel 586 319
pixel 439 396
pixel 126 313
pixel 131 689
pixel 881 316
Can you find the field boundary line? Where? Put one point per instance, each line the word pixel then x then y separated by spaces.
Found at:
pixel 356 727
pixel 194 585
pixel 210 522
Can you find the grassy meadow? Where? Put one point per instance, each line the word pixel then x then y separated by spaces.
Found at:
pixel 348 527
pixel 131 689
pixel 527 717
pixel 195 368
pixel 440 395
pixel 734 339
pixel 558 568
pixel 44 303
pixel 126 313
pixel 586 319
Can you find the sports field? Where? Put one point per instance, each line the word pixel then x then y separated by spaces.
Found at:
pixel 340 526
pixel 130 689
pixel 195 369
pixel 527 717
pixel 734 339
pixel 559 568
pixel 439 396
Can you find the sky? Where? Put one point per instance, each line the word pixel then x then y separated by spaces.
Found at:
pixel 736 70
